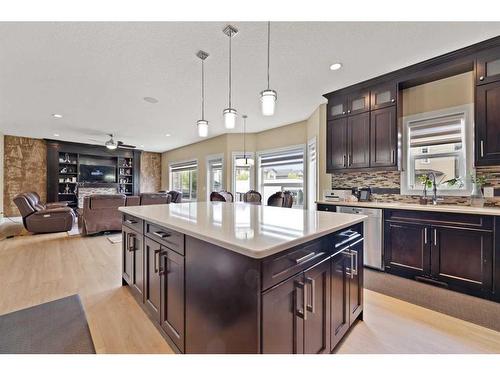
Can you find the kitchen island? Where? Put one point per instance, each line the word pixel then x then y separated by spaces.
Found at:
pixel 218 277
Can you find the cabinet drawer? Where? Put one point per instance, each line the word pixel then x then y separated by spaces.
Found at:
pixel 441 218
pixel 167 237
pixel 133 223
pixel 281 266
pixel 326 207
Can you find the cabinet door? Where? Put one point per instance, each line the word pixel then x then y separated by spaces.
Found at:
pixel 407 249
pixel 383 96
pixel 152 287
pixel 340 279
pixel 137 285
pixel 463 259
pixel 336 146
pixel 358 141
pixel 356 281
pixel 358 102
pixel 383 137
pixel 317 322
pixel 488 124
pixel 282 317
pixel 172 296
pixel 336 107
pixel 488 66
pixel 127 256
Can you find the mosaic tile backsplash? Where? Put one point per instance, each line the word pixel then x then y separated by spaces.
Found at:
pixel 390 180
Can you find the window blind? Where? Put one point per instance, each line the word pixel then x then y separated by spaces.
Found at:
pixel 185 166
pixel 282 158
pixel 438 132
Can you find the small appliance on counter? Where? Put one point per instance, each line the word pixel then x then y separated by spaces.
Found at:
pixel 362 194
pixel 335 195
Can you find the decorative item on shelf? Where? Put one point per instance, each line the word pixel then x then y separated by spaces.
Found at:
pixel 66 158
pixel 268 97
pixel 67 189
pixel 230 113
pixel 64 170
pixel 202 124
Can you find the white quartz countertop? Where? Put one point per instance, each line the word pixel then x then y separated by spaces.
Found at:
pixel 256 231
pixel 419 207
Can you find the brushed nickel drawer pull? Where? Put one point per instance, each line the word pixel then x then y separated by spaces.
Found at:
pixel 156 256
pixel 301 312
pixel 305 258
pixel 482 148
pixel 311 282
pixel 129 221
pixel 161 234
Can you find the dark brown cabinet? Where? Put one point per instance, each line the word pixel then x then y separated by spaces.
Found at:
pixel 488 66
pixel 358 102
pixel 337 144
pixel 340 305
pixel 356 280
pixel 152 287
pixel 337 107
pixel 172 296
pixel 358 141
pixel 454 251
pixel 383 137
pixel 488 124
pixel 384 95
pixel 132 261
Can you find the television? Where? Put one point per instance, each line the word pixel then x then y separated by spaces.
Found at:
pixel 97 173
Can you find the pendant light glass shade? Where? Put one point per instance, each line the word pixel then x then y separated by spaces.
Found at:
pixel 230 118
pixel 268 102
pixel 268 97
pixel 202 128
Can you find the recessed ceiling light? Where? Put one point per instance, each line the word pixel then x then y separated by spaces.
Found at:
pixel 141 146
pixel 56 134
pixel 167 135
pixel 150 99
pixel 57 115
pixel 335 66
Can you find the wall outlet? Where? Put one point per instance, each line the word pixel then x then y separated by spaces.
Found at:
pixel 489 192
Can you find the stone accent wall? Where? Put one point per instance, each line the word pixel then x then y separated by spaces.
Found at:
pixel 150 172
pixel 392 180
pixel 25 169
pixel 84 191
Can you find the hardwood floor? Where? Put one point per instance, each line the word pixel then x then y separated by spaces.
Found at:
pixel 41 268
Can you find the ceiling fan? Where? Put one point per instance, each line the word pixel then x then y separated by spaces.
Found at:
pixel 111 144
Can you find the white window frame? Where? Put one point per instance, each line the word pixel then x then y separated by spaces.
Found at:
pixel 303 147
pixel 467 111
pixel 241 154
pixel 209 159
pixel 174 163
pixel 311 193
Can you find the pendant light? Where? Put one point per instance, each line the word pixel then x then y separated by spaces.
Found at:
pixel 248 161
pixel 202 124
pixel 268 97
pixel 230 113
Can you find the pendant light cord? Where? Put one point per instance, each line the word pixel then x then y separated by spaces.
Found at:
pixel 245 138
pixel 203 89
pixel 268 50
pixel 230 37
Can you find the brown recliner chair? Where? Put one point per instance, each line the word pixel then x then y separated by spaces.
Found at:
pixel 39 218
pixel 100 213
pixel 252 196
pixel 176 197
pixel 132 200
pixel 155 198
pixel 276 199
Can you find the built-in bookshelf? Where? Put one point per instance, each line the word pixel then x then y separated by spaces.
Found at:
pixel 125 175
pixel 68 178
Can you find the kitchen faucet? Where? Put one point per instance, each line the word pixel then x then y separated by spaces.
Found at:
pixel 434 187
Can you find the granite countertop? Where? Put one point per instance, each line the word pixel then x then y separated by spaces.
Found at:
pixel 419 207
pixel 256 231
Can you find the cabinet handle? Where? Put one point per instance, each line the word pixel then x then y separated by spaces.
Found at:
pixel 156 255
pixel 348 111
pixel 393 100
pixel 311 282
pixel 301 312
pixel 131 242
pixel 348 253
pixel 163 270
pixel 343 160
pixel 348 160
pixel 435 237
pixel 425 235
pixel 354 263
pixel 392 156
pixel 162 234
pixel 343 112
pixel 305 257
pixel 481 78
pixel 129 221
pixel 482 147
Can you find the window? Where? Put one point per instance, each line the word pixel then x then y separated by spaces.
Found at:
pixel 215 174
pixel 438 143
pixel 183 178
pixel 282 171
pixel 243 172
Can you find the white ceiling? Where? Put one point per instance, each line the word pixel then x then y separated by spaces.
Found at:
pixel 96 74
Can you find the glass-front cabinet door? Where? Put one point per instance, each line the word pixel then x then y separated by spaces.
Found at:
pixel 358 102
pixel 488 67
pixel 383 95
pixel 337 107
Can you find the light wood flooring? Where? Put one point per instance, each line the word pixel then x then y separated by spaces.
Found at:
pixel 41 268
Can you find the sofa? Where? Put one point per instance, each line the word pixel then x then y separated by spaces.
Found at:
pixel 41 217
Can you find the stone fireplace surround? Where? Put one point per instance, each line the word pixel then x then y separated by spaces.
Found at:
pixel 85 189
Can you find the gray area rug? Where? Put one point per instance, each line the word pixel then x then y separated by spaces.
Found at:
pixel 57 327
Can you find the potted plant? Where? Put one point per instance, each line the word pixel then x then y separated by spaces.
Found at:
pixel 476 197
pixel 427 182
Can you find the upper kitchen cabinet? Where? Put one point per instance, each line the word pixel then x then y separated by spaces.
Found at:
pixel 336 133
pixel 384 95
pixel 358 141
pixel 358 102
pixel 337 107
pixel 488 124
pixel 383 137
pixel 488 66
